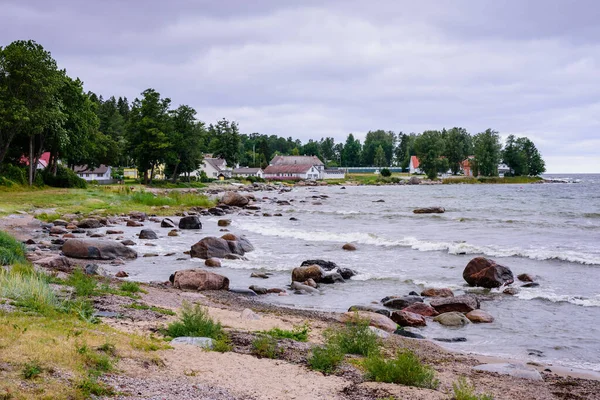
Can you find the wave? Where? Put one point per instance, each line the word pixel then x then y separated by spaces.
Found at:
pixel 455 248
pixel 538 294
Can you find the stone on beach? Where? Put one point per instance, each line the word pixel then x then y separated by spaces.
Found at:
pixel 190 222
pixel 452 319
pixel 234 199
pixel 55 262
pixel 97 249
pixel 148 234
pixel 399 303
pixel 422 309
pixel 479 316
pixel 198 279
pixel 407 318
pixel 133 223
pixel 486 273
pixel 463 304
pixel 89 223
pixel 433 292
pixel 375 319
pixel 301 274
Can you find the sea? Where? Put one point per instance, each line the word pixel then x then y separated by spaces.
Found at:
pixel 551 231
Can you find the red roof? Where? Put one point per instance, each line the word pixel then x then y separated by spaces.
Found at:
pixel 287 169
pixel 44 159
pixel 415 161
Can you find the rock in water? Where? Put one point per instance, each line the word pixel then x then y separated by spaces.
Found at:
pixel 399 303
pixel 432 292
pixel 198 279
pixel 258 289
pixel 406 318
pixel 452 319
pixel 430 210
pixel 326 265
pixel 148 234
pixel 234 199
pixel 463 304
pixel 213 262
pixel 224 222
pixel 375 319
pixel 486 273
pixel 190 222
pixel 375 309
pixel 525 278
pixel 167 223
pixel 478 316
pixel 349 247
pixel 212 246
pixel 422 309
pixel 133 223
pixel 408 334
pixel 332 277
pixel 97 249
pixel 302 274
pixel 306 288
pixel 89 223
pixel 346 273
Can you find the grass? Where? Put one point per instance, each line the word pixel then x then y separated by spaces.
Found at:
pixel 84 285
pixel 194 321
pixel 103 200
pixel 265 347
pixel 159 310
pixel 130 287
pixel 299 333
pixel 11 250
pixel 405 369
pixel 355 338
pixel 465 391
pixel 31 370
pixel 29 289
pixel 325 358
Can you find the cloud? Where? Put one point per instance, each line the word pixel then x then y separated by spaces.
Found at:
pixel 330 68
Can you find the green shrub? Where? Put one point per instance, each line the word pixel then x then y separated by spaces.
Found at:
pixel 64 178
pixel 6 183
pixel 31 369
pixel 11 250
pixel 84 285
pixel 91 386
pixel 325 358
pixel 299 333
pixel 194 321
pixel 265 347
pixel 130 287
pixel 385 172
pixel 222 345
pixel 14 174
pixel 355 338
pixel 465 391
pixel 405 369
pixel 29 290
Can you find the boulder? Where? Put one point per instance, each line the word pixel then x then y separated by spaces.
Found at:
pixel 190 222
pixel 326 265
pixel 407 318
pixel 433 292
pixel 58 230
pixel 258 289
pixel 301 274
pixel 89 223
pixel 414 180
pixel 134 223
pixel 408 334
pixel 97 249
pixel 479 316
pixel 213 262
pixel 375 309
pixel 128 242
pixel 60 222
pixel 167 223
pixel 380 333
pixel 234 199
pixel 56 262
pixel 525 278
pixel 349 247
pixel 224 222
pixel 210 247
pixel 121 274
pixel 198 279
pixel 462 304
pixel 375 319
pixel 238 244
pixel 422 309
pixel 204 342
pixel 486 273
pixel 346 273
pixel 148 234
pixel 399 303
pixel 94 269
pixel 173 233
pixel 303 287
pixel 452 319
pixel 311 282
pixel 114 232
pixel 332 277
pixel 137 215
pixel 430 210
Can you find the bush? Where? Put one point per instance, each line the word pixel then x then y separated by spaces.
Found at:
pixel 464 391
pixel 194 321
pixel 11 250
pixel 326 358
pixel 14 174
pixel 385 172
pixel 299 333
pixel 405 369
pixel 65 178
pixel 265 347
pixel 355 338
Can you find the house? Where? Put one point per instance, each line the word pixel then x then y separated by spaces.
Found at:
pixel 214 168
pixel 42 162
pixel 299 160
pixel 246 172
pixel 102 174
pixel 413 165
pixel 333 174
pixel 503 169
pixel 466 167
pixel 292 172
pixel 130 173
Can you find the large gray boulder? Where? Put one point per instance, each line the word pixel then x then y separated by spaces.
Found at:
pixel 199 279
pixel 89 223
pixel 190 222
pixel 234 199
pixel 463 304
pixel 97 249
pixel 214 247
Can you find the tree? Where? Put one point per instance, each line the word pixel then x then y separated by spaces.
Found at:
pixel 429 147
pixel 535 164
pixel 373 140
pixel 326 149
pixel 148 132
pixel 227 138
pixel 185 137
pixel 29 102
pixel 380 160
pixel 311 148
pixel 486 149
pixel 458 146
pixel 405 149
pixel 514 157
pixel 351 154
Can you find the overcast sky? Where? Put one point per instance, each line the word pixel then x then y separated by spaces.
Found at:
pixel 310 69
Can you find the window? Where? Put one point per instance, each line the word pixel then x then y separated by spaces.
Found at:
pixel 214 174
pixel 87 175
pixel 99 174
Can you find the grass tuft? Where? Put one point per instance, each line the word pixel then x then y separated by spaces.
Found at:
pixel 465 391
pixel 325 358
pixel 31 370
pixel 159 310
pixel 11 250
pixel 405 369
pixel 194 321
pixel 355 338
pixel 299 333
pixel 130 287
pixel 29 289
pixel 265 347
pixel 85 285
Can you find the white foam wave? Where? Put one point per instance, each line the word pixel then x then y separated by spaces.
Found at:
pixel 422 245
pixel 534 293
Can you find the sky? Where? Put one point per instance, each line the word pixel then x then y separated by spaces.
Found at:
pixel 311 69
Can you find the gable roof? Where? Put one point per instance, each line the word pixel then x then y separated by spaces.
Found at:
pixel 414 161
pixel 42 162
pixel 288 169
pixel 295 160
pixel 84 168
pixel 217 163
pixel 246 170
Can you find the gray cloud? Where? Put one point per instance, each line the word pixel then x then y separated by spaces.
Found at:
pixel 314 69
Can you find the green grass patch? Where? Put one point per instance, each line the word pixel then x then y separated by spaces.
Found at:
pixel 354 338
pixel 160 310
pixel 31 370
pixel 405 369
pixel 325 358
pixel 299 333
pixel 91 386
pixel 11 250
pixel 84 285
pixel 194 321
pixel 29 289
pixel 265 346
pixel 131 287
pixel 464 391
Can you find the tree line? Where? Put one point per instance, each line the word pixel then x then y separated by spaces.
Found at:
pixel 42 109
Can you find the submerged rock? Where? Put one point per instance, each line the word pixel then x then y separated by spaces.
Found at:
pixel 430 210
pixel 486 273
pixel 326 265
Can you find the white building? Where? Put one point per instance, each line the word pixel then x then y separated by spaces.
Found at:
pixel 333 174
pixel 314 161
pixel 292 172
pixel 214 168
pixel 246 172
pixel 100 174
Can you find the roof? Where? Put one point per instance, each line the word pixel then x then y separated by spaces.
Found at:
pixel 287 169
pixel 43 161
pixel 415 161
pixel 334 171
pixel 217 163
pixel 84 168
pixel 293 160
pixel 246 170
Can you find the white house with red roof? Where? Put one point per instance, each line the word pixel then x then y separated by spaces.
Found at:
pixel 42 162
pixel 413 165
pixel 292 172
